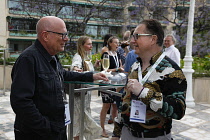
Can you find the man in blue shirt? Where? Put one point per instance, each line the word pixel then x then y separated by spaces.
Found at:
pixel 130 57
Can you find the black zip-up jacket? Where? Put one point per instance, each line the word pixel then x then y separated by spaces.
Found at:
pixel 36 91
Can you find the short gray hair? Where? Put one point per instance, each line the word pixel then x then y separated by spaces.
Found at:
pixel 172 36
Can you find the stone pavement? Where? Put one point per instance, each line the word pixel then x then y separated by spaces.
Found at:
pixel 194 126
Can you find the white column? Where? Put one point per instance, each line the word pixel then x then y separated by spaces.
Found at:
pixel 188 56
pixel 3 25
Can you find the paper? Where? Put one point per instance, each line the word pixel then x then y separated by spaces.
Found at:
pixel 67 115
pixel 138 111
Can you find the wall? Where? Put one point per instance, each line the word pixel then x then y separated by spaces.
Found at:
pixel 201 89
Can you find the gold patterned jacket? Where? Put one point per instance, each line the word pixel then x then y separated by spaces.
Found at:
pixel 163 94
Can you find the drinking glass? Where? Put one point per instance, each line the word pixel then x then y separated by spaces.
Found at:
pixel 88 59
pixel 105 62
pixel 88 56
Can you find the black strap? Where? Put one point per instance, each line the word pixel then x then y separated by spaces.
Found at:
pixel 59 76
pixel 149 134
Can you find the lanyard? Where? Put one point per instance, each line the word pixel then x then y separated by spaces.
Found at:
pixel 142 81
pixel 115 59
pixel 59 77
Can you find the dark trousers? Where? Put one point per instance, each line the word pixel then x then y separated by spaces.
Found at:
pixel 119 99
pixel 33 136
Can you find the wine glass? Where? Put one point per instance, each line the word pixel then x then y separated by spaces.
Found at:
pixel 88 59
pixel 88 56
pixel 105 62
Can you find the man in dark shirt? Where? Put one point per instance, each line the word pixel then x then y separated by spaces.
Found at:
pixel 37 84
pixel 156 88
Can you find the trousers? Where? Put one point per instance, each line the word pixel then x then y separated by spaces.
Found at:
pixel 127 135
pixel 33 136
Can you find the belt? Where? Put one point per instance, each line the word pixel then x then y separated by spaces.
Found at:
pixel 153 134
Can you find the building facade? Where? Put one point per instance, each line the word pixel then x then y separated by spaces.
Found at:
pixel 93 18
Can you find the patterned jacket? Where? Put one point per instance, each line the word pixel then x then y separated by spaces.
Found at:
pixel 163 94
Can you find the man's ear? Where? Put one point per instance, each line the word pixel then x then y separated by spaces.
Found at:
pixel 154 39
pixel 45 36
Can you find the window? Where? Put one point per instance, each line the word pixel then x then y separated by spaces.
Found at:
pixel 22 24
pixel 182 13
pixel 103 30
pixel 91 30
pixel 18 46
pixel 159 13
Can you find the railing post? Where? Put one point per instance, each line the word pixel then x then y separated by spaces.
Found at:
pixel 71 110
pixel 82 109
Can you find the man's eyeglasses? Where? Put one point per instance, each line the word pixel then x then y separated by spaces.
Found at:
pixel 64 35
pixel 136 36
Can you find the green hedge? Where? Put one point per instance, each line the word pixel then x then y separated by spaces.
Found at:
pixel 200 65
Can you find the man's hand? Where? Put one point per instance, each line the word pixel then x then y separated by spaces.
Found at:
pixel 134 86
pixel 77 69
pixel 100 76
pixel 114 138
pixel 120 69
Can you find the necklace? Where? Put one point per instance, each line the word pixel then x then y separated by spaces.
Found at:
pixel 113 53
pixel 115 59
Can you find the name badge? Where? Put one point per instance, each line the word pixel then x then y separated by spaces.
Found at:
pixel 138 111
pixel 67 115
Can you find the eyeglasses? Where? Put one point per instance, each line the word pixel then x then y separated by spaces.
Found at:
pixel 136 36
pixel 64 35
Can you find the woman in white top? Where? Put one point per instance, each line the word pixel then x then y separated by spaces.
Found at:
pixel 91 128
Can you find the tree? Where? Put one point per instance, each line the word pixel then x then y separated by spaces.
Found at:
pixel 127 14
pixel 77 15
pixel 175 13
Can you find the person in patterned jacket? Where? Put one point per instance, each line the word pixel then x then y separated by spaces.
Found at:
pixel 155 92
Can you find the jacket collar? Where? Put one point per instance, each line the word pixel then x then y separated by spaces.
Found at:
pixel 153 58
pixel 43 51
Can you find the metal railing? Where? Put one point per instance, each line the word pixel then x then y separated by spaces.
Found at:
pixel 83 89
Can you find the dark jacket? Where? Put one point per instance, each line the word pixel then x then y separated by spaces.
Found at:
pixel 36 92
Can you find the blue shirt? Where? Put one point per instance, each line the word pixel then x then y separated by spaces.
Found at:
pixel 121 52
pixel 130 59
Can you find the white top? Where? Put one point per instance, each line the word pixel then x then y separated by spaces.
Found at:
pixel 173 53
pixel 77 62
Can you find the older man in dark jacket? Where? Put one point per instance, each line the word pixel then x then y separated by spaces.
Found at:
pixel 37 84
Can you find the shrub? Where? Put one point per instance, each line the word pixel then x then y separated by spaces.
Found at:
pixel 201 66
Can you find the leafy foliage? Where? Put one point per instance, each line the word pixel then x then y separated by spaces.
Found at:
pixel 169 13
pixel 9 61
pixel 201 66
pixel 95 57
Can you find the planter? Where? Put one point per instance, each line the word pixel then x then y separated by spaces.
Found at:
pixel 201 89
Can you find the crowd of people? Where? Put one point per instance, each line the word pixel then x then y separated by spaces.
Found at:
pixel 153 95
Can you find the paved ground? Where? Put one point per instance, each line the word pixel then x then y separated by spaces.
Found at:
pixel 194 126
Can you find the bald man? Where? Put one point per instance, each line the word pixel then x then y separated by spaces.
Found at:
pixel 37 84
